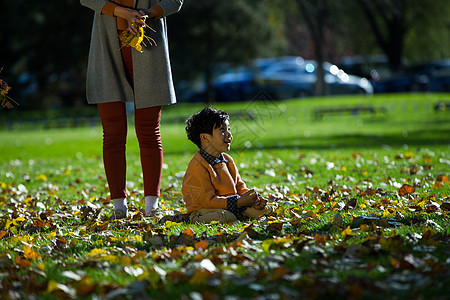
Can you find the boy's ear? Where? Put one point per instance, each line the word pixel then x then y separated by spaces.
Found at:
pixel 204 137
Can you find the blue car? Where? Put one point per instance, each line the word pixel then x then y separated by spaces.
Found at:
pixel 414 78
pixel 285 77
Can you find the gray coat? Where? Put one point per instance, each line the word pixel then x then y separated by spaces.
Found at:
pixel 106 80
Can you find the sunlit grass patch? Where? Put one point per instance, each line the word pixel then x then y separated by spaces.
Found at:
pixel 363 211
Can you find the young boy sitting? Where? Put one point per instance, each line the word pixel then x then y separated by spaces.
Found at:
pixel 212 188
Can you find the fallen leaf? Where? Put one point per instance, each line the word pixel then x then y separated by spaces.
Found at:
pixel 278 273
pixel 445 206
pixel 200 277
pixel 347 232
pixel 201 245
pixel 443 178
pixel 3 233
pixel 406 189
pixel 30 254
pixel 22 262
pixel 337 219
pixel 189 232
pixel 275 227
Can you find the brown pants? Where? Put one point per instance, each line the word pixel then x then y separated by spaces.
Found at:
pixel 147 123
pixel 223 216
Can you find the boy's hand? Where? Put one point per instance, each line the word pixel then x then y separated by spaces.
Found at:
pixel 261 203
pixel 250 198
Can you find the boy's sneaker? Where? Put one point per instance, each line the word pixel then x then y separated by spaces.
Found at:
pixel 119 214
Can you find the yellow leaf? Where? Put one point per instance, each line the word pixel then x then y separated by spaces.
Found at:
pixel 97 252
pixel 109 258
pixel 51 235
pixel 30 254
pixel 125 260
pixel 389 212
pixel 170 224
pixel 364 227
pixel 409 155
pixel 347 231
pixel 422 204
pixel 19 219
pixel 134 238
pixel 41 266
pixel 52 286
pixel 266 245
pixel 41 177
pixel 115 239
pixel 8 223
pixel 19 238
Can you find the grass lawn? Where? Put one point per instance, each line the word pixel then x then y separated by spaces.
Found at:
pixel 364 201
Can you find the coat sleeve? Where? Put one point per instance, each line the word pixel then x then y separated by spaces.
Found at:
pixel 96 5
pixel 170 6
pixel 198 191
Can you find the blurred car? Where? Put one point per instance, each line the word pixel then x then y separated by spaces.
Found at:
pixel 372 67
pixel 285 77
pixel 291 80
pixel 412 78
pixel 243 83
pixel 440 81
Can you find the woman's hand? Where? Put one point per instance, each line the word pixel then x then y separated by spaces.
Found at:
pixel 131 15
pixel 150 12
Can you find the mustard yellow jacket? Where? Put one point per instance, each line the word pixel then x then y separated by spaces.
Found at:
pixel 206 186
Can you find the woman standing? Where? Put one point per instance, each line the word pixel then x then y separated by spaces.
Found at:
pixel 115 77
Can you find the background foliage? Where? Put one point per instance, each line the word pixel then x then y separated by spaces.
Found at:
pixel 44 55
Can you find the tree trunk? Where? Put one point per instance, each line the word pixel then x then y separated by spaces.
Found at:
pixel 315 15
pixel 388 22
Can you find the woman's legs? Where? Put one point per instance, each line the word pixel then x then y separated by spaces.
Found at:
pixel 147 122
pixel 114 122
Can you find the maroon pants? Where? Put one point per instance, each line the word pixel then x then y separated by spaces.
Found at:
pixel 147 124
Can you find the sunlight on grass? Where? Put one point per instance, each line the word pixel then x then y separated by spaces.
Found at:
pixel 364 202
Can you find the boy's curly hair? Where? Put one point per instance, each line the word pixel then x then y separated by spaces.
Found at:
pixel 204 122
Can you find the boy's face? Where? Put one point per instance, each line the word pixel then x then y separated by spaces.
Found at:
pixel 219 141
